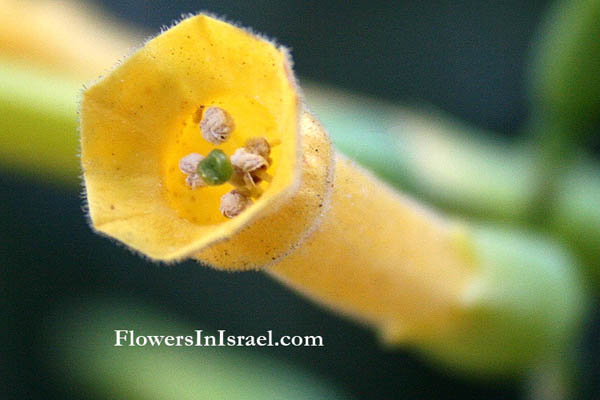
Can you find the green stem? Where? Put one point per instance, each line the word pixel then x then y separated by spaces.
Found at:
pixel 554 153
pixel 564 87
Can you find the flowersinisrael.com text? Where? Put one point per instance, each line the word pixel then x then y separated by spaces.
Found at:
pixel 199 339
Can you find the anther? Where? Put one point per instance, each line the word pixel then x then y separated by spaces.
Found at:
pixel 233 203
pixel 247 161
pixel 245 164
pixel 216 125
pixel 258 145
pixel 189 163
pixel 189 166
pixel 194 181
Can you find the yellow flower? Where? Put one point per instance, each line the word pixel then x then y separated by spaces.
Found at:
pixel 138 122
pixel 321 224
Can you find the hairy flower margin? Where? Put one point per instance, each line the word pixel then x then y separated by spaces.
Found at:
pixel 321 225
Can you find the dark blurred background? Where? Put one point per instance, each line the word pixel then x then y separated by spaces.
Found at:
pixel 465 57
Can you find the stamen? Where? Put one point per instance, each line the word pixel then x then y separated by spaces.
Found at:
pixel 194 181
pixel 233 203
pixel 241 179
pixel 256 191
pixel 247 161
pixel 189 163
pixel 189 166
pixel 258 145
pixel 216 125
pixel 246 168
pixel 237 179
pixel 263 175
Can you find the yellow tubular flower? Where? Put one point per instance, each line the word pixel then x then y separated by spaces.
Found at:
pixel 322 224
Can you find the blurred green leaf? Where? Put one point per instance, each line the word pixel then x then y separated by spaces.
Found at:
pixel 576 216
pixel 565 78
pixel 39 124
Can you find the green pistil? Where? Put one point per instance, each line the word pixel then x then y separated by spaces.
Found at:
pixel 215 168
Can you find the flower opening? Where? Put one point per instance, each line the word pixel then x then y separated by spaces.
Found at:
pixel 201 79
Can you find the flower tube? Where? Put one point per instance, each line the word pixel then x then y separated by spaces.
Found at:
pixel 141 120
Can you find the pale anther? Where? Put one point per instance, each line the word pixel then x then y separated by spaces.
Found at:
pixel 246 161
pixel 233 203
pixel 189 163
pixel 216 125
pixel 194 181
pixel 258 145
pixel 189 166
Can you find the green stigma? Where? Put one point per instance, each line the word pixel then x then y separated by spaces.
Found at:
pixel 215 168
